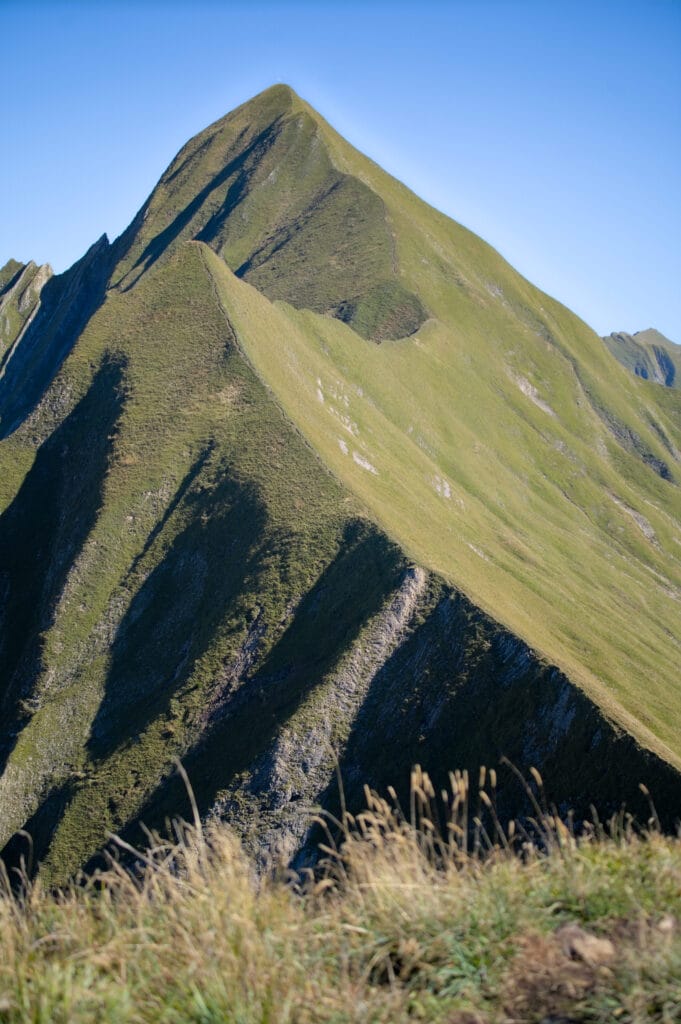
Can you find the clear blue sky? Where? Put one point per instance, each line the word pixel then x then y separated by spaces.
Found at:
pixel 551 129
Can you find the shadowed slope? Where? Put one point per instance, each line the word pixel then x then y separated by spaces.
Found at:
pixel 458 668
pixel 42 534
pixel 244 722
pixel 173 618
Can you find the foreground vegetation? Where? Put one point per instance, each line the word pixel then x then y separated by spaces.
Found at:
pixel 407 921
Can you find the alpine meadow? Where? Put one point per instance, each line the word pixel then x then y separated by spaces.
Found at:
pixel 302 485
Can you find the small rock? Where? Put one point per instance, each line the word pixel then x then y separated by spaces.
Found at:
pixel 581 945
pixel 667 925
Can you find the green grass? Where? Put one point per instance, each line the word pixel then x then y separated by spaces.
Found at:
pixel 404 924
pixel 541 528
pixel 198 512
pixel 237 187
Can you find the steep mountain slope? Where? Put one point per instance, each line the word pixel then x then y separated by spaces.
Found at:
pixel 315 474
pixel 648 354
pixel 261 188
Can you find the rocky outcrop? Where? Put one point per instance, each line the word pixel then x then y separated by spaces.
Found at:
pixel 430 680
pixel 287 780
pixel 19 303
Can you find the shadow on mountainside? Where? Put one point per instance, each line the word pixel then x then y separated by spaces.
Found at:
pixel 24 851
pixel 43 532
pixel 175 615
pixel 462 692
pixel 352 589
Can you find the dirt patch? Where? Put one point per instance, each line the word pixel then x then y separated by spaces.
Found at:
pixel 563 977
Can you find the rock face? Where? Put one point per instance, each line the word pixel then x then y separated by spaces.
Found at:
pixel 21 286
pixel 236 530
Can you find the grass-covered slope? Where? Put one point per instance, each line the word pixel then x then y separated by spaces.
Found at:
pixel 648 354
pixel 236 529
pixel 536 510
pixel 163 534
pixel 500 445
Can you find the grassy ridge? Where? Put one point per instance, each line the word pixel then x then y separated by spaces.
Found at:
pixel 528 511
pixel 403 925
pixel 502 445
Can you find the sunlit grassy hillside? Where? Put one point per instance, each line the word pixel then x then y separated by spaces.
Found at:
pixel 480 447
pixel 500 445
pixel 503 446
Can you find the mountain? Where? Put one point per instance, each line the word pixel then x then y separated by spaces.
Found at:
pixel 648 354
pixel 300 474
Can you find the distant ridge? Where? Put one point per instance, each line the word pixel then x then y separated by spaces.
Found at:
pixel 648 354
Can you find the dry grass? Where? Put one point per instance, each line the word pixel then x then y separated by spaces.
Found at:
pixel 406 921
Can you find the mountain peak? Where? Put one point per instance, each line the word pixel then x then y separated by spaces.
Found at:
pixel 262 188
pixel 279 91
pixel 275 101
pixel 652 336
